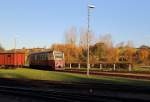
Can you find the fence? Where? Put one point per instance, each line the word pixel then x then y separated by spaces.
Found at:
pixel 101 66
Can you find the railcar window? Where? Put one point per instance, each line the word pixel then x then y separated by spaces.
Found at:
pixel 45 57
pixel 36 57
pixel 41 56
pixel 51 57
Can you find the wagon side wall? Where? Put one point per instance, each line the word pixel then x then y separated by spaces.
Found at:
pixel 12 59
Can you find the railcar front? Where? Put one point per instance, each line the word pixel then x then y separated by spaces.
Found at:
pixel 59 60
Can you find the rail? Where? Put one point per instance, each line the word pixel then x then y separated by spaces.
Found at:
pixel 71 96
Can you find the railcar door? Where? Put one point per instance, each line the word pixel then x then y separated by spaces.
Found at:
pixel 8 60
pixel 51 62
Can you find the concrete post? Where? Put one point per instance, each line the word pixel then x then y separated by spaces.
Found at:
pixel 114 67
pixel 129 67
pixel 70 65
pixel 79 65
pixel 100 66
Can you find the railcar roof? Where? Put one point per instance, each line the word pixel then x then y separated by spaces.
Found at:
pixel 44 52
pixel 12 53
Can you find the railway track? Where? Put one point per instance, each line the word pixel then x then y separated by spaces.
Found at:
pixel 55 95
pixel 75 92
pixel 116 74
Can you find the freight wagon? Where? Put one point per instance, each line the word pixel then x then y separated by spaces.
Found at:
pixel 48 60
pixel 12 60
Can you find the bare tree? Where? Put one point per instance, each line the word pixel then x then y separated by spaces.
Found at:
pixel 120 45
pixel 83 38
pixel 107 40
pixel 71 36
pixel 130 44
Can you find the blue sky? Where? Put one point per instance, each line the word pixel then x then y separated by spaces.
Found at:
pixel 39 23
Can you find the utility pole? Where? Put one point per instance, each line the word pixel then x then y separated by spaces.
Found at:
pixel 15 44
pixel 88 50
pixel 15 49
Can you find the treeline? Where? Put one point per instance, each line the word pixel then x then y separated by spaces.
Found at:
pixel 102 49
pixel 1 48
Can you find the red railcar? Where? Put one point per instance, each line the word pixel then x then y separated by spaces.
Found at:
pixel 13 59
pixel 48 60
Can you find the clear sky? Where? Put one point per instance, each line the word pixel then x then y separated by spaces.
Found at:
pixel 39 23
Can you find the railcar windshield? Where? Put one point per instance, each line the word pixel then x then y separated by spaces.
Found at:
pixel 58 55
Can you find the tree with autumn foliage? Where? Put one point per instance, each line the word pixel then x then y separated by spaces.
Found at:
pixel 143 55
pixel 70 49
pixel 1 48
pixel 101 50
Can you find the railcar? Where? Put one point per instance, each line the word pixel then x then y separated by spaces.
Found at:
pixel 48 60
pixel 12 59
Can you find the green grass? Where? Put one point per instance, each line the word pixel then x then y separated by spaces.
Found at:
pixel 66 77
pixel 138 69
pixel 135 69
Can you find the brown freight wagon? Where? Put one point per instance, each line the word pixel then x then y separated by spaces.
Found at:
pixel 12 60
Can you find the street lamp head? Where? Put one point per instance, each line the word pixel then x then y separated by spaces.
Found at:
pixel 91 6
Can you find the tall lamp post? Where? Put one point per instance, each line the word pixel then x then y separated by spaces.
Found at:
pixel 15 50
pixel 88 52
